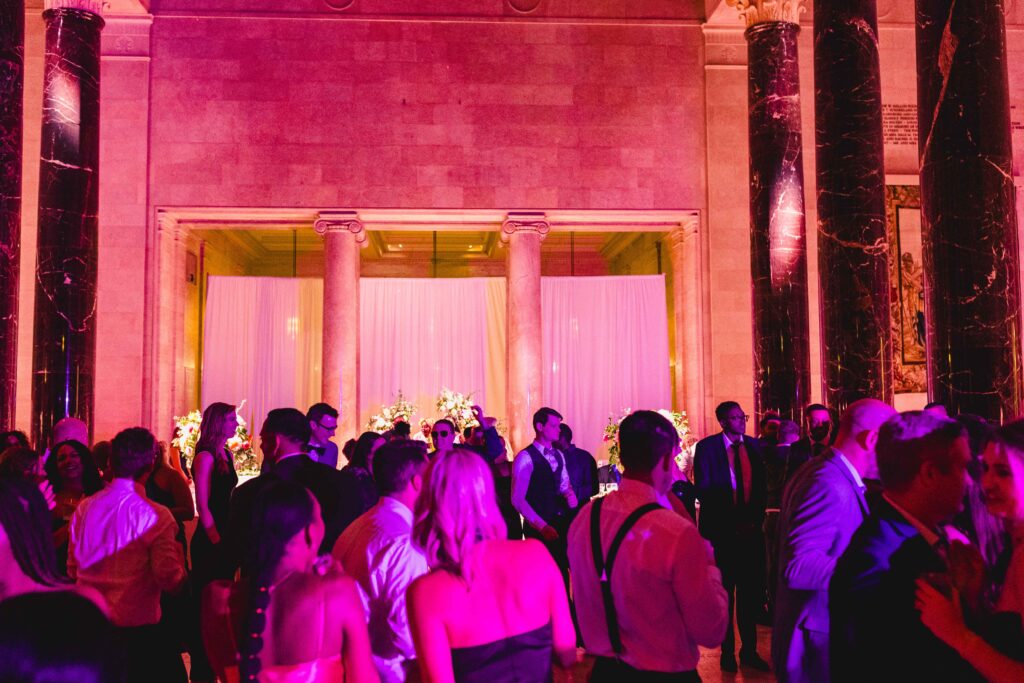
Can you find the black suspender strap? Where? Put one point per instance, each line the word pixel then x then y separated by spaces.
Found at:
pixel 604 565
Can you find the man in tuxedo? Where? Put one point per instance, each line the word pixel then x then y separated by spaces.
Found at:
pixel 581 465
pixel 323 423
pixel 823 506
pixel 875 632
pixel 283 439
pixel 728 472
pixel 817 435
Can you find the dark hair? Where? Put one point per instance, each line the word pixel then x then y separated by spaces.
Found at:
pixel 17 435
pixel 723 409
pixel 768 417
pixel 91 479
pixel 566 431
pixel 979 433
pixel 18 461
pixel 394 465
pixel 907 440
pixel 26 521
pixel 361 453
pixel 209 434
pixel 816 406
pixel 30 653
pixel 317 411
pixel 289 423
pixel 282 509
pixel 789 427
pixel 645 439
pixel 934 404
pixel 402 430
pixel 542 415
pixel 444 421
pixel 133 452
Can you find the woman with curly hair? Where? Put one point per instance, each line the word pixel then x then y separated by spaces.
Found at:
pixel 473 618
pixel 73 475
pixel 294 620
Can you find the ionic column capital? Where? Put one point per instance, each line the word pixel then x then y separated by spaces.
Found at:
pixel 91 6
pixel 756 12
pixel 343 222
pixel 535 223
pixel 682 233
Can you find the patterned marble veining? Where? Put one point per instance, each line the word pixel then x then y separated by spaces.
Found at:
pixel 64 339
pixel 778 251
pixel 12 85
pixel 968 219
pixel 853 249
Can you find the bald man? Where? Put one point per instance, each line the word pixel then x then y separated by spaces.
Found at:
pixel 821 508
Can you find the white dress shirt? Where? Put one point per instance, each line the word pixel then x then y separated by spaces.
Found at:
pixel 667 590
pixel 122 545
pixel 377 551
pixel 522 469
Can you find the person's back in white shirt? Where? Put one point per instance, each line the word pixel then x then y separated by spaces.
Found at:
pixel 667 591
pixel 122 545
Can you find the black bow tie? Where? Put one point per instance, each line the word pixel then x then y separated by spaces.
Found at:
pixel 318 449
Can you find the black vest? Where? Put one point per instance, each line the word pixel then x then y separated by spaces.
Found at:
pixel 543 495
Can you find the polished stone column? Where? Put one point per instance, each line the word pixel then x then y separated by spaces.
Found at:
pixel 343 235
pixel 968 219
pixel 687 378
pixel 12 85
pixel 523 234
pixel 853 254
pixel 778 251
pixel 64 339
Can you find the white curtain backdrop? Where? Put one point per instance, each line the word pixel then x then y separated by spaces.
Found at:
pixel 262 341
pixel 605 345
pixel 419 336
pixel 605 350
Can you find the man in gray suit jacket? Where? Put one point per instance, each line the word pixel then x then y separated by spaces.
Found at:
pixel 821 508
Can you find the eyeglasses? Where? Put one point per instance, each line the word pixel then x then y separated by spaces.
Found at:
pixel 440 433
pixel 745 418
pixel 330 428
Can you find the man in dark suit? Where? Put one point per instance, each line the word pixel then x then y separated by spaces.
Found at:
pixel 876 633
pixel 581 465
pixel 323 423
pixel 817 435
pixel 283 439
pixel 728 472
pixel 823 506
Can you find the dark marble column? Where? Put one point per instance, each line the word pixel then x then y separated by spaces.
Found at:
pixel 853 254
pixel 64 340
pixel 778 252
pixel 968 220
pixel 12 85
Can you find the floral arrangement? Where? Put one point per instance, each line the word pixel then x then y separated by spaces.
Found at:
pixel 678 420
pixel 240 445
pixel 400 411
pixel 458 408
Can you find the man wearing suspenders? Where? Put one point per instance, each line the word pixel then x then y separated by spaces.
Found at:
pixel 646 588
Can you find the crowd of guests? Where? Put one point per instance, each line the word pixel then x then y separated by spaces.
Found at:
pixel 880 545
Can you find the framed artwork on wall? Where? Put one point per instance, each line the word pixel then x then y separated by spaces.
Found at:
pixel 906 282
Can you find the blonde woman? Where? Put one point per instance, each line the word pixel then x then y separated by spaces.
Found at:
pixel 490 610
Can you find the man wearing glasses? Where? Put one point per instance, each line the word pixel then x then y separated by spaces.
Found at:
pixel 323 423
pixel 728 472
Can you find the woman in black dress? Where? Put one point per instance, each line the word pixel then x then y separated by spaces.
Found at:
pixel 213 471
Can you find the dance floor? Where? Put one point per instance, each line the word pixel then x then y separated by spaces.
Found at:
pixel 709 669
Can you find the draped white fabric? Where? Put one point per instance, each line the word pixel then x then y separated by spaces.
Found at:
pixel 605 345
pixel 605 350
pixel 262 341
pixel 419 336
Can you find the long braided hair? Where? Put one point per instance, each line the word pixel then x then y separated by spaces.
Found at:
pixel 283 509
